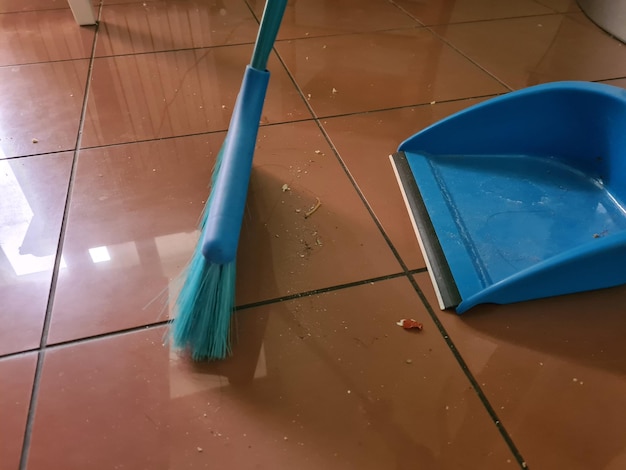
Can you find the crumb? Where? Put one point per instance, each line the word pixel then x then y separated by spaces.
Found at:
pixel 409 361
pixel 35 141
pixel 334 90
pixel 408 324
pixel 313 209
pixel 199 449
pixel 286 187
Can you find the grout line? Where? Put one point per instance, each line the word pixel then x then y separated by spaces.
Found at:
pixel 179 136
pixel 325 290
pixel 468 373
pixel 108 334
pixel 261 303
pixel 44 62
pixel 180 49
pixel 415 18
pixel 18 353
pixel 57 262
pixel 407 106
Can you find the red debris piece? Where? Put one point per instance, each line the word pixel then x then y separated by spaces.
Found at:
pixel 409 324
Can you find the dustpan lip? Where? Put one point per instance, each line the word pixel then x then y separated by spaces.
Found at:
pixel 551 88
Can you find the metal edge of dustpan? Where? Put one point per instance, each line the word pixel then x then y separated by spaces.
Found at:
pixel 446 289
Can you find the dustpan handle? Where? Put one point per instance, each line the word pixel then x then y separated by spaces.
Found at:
pixel 270 24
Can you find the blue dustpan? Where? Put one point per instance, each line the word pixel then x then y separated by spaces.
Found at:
pixel 522 196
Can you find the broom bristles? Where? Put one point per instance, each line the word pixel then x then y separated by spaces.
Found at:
pixel 206 301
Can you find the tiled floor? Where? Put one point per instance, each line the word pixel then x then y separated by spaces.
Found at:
pixel 108 135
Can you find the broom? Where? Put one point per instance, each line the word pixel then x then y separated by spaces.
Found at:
pixel 207 298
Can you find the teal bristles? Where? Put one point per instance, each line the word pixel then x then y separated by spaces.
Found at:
pixel 205 303
pixel 204 307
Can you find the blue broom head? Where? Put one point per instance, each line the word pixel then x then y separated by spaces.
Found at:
pixel 205 303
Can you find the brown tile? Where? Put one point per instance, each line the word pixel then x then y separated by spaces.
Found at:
pixel 301 365
pixel 364 142
pixel 117 2
pixel 146 221
pixel 166 94
pixel 557 365
pixel 42 102
pixel 392 69
pixel 31 208
pixel 42 36
pixel 16 384
pixel 313 18
pixel 562 6
pixel 9 6
pixel 174 24
pixel 102 408
pixel 620 82
pixel 131 229
pixel 535 50
pixel 281 251
pixel 431 12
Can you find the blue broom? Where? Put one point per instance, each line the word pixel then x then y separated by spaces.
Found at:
pixel 207 298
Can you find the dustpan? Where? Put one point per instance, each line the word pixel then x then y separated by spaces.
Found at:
pixel 522 196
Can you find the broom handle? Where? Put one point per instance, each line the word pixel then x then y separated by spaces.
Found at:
pixel 270 23
pixel 226 204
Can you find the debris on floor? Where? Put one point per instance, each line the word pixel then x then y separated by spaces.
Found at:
pixel 409 324
pixel 286 187
pixel 313 209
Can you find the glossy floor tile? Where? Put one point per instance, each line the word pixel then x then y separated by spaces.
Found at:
pixel 432 12
pixel 310 18
pixel 16 384
pixel 131 229
pixel 393 397
pixel 151 96
pixel 11 6
pixel 561 6
pixel 321 374
pixel 620 82
pixel 41 106
pixel 31 209
pixel 555 364
pixel 542 49
pixel 43 36
pixel 395 68
pixel 168 25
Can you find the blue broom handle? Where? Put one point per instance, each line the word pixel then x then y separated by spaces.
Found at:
pixel 270 23
pixel 228 195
